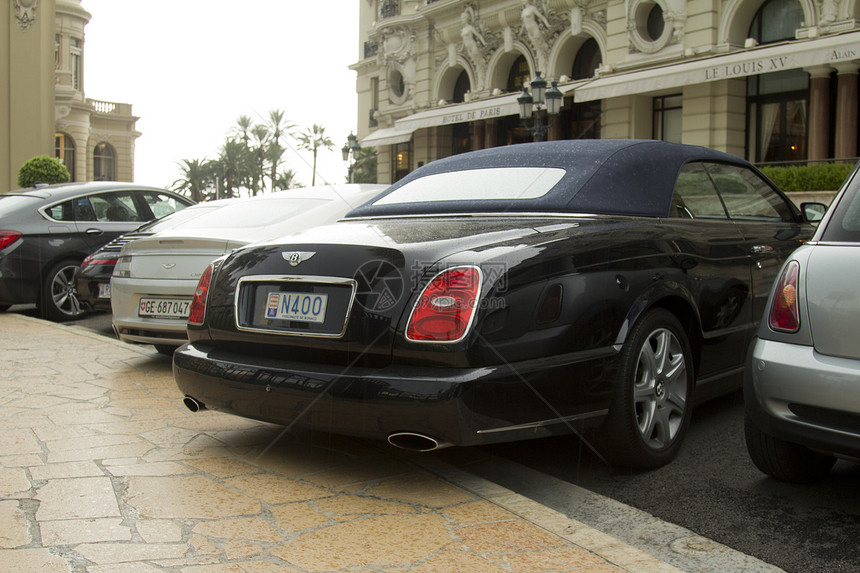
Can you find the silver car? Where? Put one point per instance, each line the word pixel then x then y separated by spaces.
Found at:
pixel 155 277
pixel 802 383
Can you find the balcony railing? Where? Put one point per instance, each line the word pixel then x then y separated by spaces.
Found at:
pixel 103 106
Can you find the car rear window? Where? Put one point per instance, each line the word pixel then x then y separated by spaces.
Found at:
pixel 11 203
pixel 253 213
pixel 506 183
pixel 844 224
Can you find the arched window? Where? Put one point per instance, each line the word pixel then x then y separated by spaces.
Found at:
pixel 520 74
pixel 104 162
pixel 587 60
pixel 461 86
pixel 64 150
pixel 776 21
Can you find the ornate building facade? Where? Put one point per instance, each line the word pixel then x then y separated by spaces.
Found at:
pixel 769 80
pixel 43 107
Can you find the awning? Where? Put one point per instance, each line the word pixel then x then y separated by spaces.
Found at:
pixel 461 113
pixel 767 59
pixel 387 136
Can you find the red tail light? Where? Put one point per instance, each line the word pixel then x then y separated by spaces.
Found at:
pixel 446 307
pixel 784 313
pixel 198 303
pixel 8 237
pixel 91 260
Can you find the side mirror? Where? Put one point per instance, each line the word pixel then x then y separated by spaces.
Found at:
pixel 813 212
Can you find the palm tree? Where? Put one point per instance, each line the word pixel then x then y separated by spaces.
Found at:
pixel 233 166
pixel 312 140
pixel 275 151
pixel 285 180
pixel 196 177
pixel 242 128
pixel 364 168
pixel 261 136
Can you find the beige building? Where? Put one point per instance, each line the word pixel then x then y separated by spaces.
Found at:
pixel 769 80
pixel 43 109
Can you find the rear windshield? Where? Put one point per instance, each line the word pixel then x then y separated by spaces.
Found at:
pixel 254 213
pixel 178 217
pixel 844 224
pixel 11 203
pixel 506 183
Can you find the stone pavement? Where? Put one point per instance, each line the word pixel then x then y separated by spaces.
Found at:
pixel 103 470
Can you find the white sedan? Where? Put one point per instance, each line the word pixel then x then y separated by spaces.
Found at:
pixel 155 277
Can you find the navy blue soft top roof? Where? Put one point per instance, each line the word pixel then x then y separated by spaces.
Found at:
pixel 602 176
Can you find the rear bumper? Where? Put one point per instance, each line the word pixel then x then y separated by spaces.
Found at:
pixel 463 407
pixel 125 303
pixel 798 395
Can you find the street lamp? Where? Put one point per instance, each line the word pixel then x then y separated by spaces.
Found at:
pixel 350 153
pixel 532 104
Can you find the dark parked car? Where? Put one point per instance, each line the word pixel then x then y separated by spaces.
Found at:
pixel 92 279
pixel 45 233
pixel 802 388
pixel 504 294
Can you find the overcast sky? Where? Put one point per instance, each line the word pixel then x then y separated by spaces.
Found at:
pixel 190 68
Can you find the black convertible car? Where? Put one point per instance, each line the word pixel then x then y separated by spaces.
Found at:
pixel 504 294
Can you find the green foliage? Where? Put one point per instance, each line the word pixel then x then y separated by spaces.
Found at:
pixel 42 169
pixel 820 177
pixel 364 169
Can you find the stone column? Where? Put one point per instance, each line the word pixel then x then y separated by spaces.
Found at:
pixel 478 135
pixel 819 112
pixel 846 110
pixel 491 133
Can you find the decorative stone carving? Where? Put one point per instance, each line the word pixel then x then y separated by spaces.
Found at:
pixel 541 27
pixel 398 56
pixel 25 13
pixel 475 45
pixel 829 10
pixel 674 20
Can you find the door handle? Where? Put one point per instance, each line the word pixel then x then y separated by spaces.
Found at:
pixel 94 232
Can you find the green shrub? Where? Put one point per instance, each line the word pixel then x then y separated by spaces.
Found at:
pixel 821 177
pixel 42 169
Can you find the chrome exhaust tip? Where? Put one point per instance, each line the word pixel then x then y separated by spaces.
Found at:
pixel 193 405
pixel 416 442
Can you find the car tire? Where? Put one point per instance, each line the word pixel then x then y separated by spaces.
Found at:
pixel 59 300
pixel 165 349
pixel 652 399
pixel 782 460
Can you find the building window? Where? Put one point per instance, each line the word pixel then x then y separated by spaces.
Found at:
pixel 777 115
pixel 461 87
pixel 461 134
pixel 75 59
pixel 64 150
pixel 57 39
pixel 519 75
pixel 401 161
pixel 104 163
pixel 374 102
pixel 389 8
pixel 654 25
pixel 667 118
pixel 776 21
pixel 587 60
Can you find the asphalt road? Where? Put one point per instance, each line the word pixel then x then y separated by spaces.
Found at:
pixel 712 489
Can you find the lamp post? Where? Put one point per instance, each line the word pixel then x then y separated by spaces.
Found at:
pixel 531 106
pixel 350 153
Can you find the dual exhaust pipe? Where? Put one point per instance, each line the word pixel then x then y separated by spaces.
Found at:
pixel 412 441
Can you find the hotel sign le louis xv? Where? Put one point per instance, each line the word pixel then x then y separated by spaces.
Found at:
pixel 774 64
